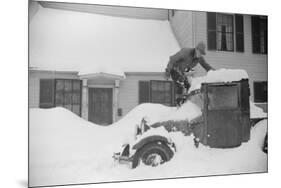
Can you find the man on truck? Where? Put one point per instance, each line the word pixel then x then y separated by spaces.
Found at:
pixel 181 65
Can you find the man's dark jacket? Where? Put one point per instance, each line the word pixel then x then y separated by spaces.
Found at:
pixel 186 59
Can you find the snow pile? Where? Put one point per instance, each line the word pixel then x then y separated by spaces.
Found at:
pixel 61 143
pixel 66 149
pixel 256 112
pixel 154 113
pixel 151 112
pixel 187 111
pixel 191 161
pixel 220 75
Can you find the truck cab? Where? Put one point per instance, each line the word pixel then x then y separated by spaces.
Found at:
pixel 224 123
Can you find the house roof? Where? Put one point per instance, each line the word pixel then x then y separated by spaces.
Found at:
pixel 120 11
pixel 62 40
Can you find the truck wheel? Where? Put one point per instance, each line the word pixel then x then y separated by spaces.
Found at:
pixel 153 154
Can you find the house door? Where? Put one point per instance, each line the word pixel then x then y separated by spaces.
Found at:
pixel 100 105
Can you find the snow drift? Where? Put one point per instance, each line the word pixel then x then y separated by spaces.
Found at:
pixel 66 149
pixel 256 112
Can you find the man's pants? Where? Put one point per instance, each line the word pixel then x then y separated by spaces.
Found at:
pixel 181 84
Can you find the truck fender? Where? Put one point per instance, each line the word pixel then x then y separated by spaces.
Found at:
pixel 150 139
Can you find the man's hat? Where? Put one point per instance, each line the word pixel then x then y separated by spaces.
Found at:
pixel 201 47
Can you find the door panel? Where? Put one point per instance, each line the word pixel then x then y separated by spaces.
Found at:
pixel 100 105
pixel 224 128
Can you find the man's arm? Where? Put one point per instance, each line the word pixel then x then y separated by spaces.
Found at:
pixel 205 65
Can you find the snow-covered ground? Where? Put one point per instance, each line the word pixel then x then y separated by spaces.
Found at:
pixel 66 149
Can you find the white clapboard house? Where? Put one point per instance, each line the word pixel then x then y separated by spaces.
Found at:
pixel 102 61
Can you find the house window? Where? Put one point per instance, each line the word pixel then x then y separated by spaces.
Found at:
pixel 155 91
pixel 61 92
pixel 220 29
pixel 260 92
pixel 68 94
pixel 259 34
pixel 224 32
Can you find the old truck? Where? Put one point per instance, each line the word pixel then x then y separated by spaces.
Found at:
pixel 225 123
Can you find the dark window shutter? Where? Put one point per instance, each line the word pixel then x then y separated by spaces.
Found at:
pixel 265 36
pixel 260 92
pixel 256 34
pixel 174 88
pixel 211 29
pixel 239 25
pixel 255 25
pixel 144 94
pixel 46 93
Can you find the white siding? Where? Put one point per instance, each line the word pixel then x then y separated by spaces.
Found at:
pixel 129 90
pixel 181 24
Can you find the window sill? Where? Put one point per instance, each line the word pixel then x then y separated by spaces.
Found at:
pixel 261 103
pixel 261 54
pixel 222 51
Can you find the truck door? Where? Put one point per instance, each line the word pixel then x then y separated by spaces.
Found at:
pixel 222 115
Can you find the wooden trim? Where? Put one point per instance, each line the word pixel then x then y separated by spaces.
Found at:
pixel 100 86
pixel 144 73
pixel 129 73
pixel 33 69
pixel 102 75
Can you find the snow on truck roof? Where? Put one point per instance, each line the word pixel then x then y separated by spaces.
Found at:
pixel 220 75
pixel 74 41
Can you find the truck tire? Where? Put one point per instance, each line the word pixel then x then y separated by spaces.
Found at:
pixel 152 154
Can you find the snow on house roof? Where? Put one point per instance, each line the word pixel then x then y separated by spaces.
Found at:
pixel 73 41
